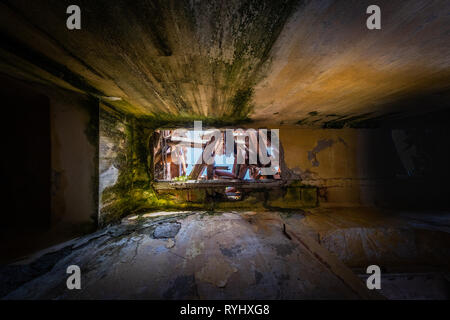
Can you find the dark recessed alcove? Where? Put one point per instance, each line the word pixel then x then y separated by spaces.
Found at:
pixel 26 162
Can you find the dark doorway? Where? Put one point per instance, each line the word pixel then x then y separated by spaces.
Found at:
pixel 26 163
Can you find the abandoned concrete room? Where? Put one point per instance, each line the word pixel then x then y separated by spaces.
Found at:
pixel 129 149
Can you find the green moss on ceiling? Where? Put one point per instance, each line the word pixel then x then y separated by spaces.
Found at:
pixel 232 59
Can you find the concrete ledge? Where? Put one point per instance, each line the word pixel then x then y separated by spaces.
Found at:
pixel 191 184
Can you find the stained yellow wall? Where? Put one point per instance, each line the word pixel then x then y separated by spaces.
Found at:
pixel 350 165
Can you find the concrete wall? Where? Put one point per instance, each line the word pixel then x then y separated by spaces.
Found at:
pixel 51 192
pixel 382 167
pixel 114 167
pixel 374 167
pixel 74 128
pixel 127 186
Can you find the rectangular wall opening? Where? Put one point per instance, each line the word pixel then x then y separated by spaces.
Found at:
pixel 209 155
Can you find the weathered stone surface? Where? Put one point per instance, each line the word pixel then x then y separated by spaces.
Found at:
pixel 242 256
pixel 395 240
pixel 166 230
pixel 170 243
pixel 312 63
pixel 223 256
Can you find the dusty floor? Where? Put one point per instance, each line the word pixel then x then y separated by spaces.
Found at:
pixel 396 240
pixel 246 255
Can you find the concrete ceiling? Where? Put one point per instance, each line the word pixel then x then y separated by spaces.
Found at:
pixel 311 63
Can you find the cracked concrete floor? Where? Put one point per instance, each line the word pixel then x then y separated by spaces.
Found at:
pixel 187 255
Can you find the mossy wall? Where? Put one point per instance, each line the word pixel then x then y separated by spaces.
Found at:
pixel 125 161
pixel 338 167
pixel 126 181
